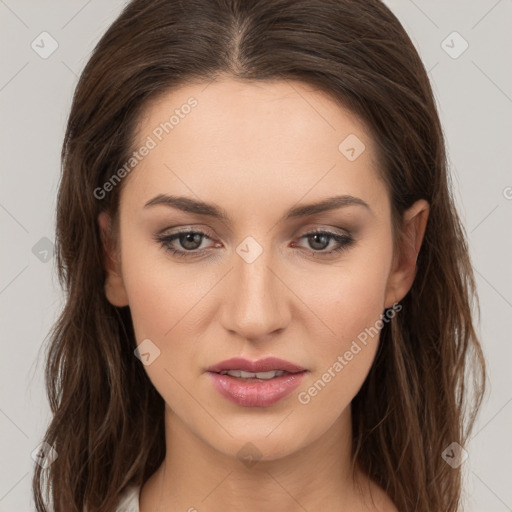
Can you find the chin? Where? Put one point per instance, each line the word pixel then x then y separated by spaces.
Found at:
pixel 261 441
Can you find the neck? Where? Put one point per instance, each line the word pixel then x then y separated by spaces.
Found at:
pixel 196 476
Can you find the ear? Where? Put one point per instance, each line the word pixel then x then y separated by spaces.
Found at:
pixel 114 285
pixel 404 263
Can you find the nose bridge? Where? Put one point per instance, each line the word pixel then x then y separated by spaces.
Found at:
pixel 256 303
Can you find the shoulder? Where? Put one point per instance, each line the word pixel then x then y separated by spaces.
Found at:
pixel 129 499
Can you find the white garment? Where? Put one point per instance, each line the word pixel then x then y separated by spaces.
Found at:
pixel 129 500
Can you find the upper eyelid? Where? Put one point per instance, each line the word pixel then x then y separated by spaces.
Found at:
pixel 205 233
pixel 184 231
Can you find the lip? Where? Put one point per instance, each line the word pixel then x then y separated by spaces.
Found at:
pixel 256 393
pixel 263 365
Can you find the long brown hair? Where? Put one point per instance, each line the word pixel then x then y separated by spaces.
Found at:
pixel 108 419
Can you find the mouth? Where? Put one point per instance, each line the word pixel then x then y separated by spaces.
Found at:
pixel 262 366
pixel 255 383
pixel 255 377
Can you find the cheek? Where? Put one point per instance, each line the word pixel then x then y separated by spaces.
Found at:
pixel 160 293
pixel 343 361
pixel 163 301
pixel 168 304
pixel 351 296
pixel 351 308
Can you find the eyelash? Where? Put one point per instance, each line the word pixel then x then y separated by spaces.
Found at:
pixel 165 241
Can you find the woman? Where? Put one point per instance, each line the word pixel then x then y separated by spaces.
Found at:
pixel 268 286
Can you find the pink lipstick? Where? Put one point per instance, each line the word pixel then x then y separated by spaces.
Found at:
pixel 255 383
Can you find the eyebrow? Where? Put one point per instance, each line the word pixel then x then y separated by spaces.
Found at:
pixel 190 205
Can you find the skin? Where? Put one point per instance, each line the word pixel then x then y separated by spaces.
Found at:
pixel 256 150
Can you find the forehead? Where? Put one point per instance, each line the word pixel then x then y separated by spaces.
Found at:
pixel 253 112
pixel 266 141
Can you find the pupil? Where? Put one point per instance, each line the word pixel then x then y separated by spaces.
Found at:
pixel 189 238
pixel 315 239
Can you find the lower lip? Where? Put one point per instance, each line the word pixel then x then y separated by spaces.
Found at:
pixel 252 393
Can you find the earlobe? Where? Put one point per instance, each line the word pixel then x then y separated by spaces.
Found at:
pixel 404 271
pixel 114 284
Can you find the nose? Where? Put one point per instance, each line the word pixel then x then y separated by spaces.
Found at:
pixel 257 299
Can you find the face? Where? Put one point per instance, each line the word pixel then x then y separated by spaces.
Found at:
pixel 268 277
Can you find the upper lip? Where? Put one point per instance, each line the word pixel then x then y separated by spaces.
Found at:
pixel 263 365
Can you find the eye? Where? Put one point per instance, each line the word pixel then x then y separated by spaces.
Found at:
pixel 319 240
pixel 189 240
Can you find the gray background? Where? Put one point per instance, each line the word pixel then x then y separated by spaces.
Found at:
pixel 474 95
